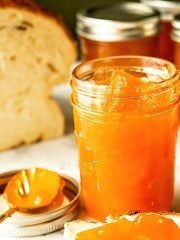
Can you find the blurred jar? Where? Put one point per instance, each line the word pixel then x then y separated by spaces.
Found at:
pixel 167 9
pixel 118 29
pixel 176 39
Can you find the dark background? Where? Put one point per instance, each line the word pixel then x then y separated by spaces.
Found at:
pixel 69 8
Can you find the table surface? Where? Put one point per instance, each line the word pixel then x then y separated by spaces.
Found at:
pixel 60 155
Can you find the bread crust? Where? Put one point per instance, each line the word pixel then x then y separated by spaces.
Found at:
pixel 28 113
pixel 34 7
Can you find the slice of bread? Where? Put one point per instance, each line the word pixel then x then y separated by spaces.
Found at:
pixel 71 229
pixel 36 53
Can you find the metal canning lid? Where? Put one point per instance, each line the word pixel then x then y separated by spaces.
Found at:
pixel 118 22
pixel 29 224
pixel 175 35
pixel 167 8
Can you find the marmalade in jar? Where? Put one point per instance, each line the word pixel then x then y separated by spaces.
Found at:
pixel 126 122
pixel 176 39
pixel 118 29
pixel 97 49
pixel 168 9
pixel 165 41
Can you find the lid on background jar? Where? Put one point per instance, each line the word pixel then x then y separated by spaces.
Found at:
pixel 167 8
pixel 42 222
pixel 116 22
pixel 176 28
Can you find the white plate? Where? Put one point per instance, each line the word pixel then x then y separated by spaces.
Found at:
pixel 60 154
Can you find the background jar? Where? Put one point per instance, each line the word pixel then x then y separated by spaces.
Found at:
pixel 126 122
pixel 167 9
pixel 176 39
pixel 118 29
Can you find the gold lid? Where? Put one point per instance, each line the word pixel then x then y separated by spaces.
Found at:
pixel 118 22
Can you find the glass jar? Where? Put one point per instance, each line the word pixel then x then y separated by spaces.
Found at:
pixel 176 39
pixel 118 29
pixel 126 122
pixel 167 9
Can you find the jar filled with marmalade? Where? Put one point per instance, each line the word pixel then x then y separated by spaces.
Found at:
pixel 167 9
pixel 118 29
pixel 126 121
pixel 176 39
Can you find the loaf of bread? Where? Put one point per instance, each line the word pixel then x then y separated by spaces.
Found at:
pixel 36 52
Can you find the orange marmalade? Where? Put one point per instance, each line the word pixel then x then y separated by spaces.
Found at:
pixel 151 227
pixel 98 49
pixel 168 9
pixel 45 190
pixel 126 122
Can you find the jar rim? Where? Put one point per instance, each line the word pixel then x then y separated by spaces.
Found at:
pixel 80 83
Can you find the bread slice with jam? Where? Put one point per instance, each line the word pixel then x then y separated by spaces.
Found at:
pixel 151 226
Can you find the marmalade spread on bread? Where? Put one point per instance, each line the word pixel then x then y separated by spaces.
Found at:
pixel 144 227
